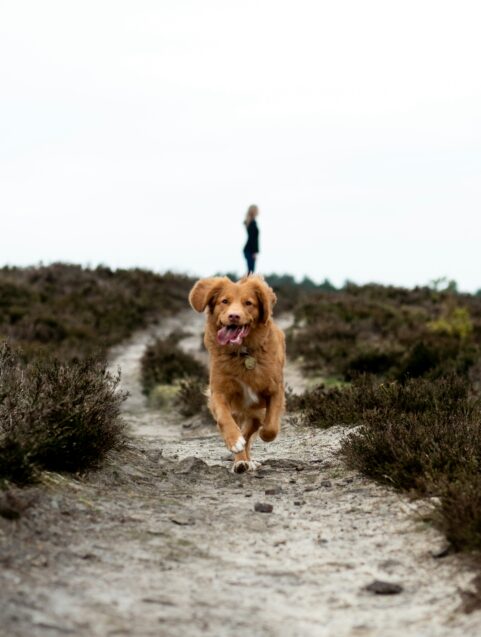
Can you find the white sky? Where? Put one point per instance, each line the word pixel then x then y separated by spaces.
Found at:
pixel 138 132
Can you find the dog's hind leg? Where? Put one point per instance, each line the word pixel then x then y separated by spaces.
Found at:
pixel 272 422
pixel 252 427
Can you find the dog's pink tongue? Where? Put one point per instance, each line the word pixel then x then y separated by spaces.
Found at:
pixel 232 335
pixel 223 336
pixel 238 336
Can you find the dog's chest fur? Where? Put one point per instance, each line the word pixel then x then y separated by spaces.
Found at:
pixel 249 395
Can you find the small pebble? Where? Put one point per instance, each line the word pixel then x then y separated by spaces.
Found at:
pixel 384 588
pixel 273 491
pixel 182 520
pixel 262 507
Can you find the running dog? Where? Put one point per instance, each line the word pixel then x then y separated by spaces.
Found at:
pixel 247 355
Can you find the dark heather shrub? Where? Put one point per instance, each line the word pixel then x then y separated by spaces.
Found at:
pixel 56 416
pixel 458 513
pixel 353 403
pixel 163 363
pixel 419 434
pixel 325 407
pixel 191 399
pixel 15 463
pixel 435 356
pixel 371 361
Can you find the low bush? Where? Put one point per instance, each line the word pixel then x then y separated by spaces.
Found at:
pixel 164 362
pixel 191 399
pixel 355 402
pixel 458 513
pixel 55 416
pixel 324 407
pixel 437 355
pixel 416 451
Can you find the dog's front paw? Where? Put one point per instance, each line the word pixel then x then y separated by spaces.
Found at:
pixel 239 445
pixel 241 466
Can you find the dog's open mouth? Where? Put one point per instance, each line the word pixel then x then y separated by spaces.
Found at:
pixel 232 334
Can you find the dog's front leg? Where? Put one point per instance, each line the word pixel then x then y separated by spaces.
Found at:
pixel 228 427
pixel 272 421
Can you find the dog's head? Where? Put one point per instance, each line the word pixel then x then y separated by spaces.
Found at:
pixel 235 308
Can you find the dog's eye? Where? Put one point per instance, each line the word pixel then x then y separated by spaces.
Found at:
pixel 248 302
pixel 224 301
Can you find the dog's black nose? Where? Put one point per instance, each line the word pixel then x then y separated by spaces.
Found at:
pixel 234 317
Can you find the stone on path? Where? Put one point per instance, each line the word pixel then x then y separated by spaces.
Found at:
pixel 384 588
pixel 262 507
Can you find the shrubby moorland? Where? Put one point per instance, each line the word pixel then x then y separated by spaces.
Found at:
pixel 400 367
pixel 403 366
pixel 59 405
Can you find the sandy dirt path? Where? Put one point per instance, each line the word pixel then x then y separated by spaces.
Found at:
pixel 164 540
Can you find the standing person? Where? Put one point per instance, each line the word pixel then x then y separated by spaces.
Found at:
pixel 251 248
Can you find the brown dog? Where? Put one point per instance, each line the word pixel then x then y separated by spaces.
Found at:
pixel 247 354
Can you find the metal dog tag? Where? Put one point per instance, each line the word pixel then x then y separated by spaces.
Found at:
pixel 250 362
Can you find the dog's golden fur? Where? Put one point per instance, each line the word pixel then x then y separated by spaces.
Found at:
pixel 246 376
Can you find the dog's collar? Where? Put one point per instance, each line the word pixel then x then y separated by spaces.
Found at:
pixel 249 361
pixel 242 351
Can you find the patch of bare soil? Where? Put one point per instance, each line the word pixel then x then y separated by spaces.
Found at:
pixel 165 540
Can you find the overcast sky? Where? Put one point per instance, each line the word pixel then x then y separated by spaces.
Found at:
pixel 138 132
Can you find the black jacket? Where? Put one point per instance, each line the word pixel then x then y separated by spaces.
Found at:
pixel 252 244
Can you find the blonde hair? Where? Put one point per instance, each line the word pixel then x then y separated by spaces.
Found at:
pixel 252 213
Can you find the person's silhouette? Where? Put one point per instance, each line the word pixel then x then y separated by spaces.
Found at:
pixel 251 248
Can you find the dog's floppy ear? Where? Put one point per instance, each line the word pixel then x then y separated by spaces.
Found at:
pixel 267 298
pixel 204 292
